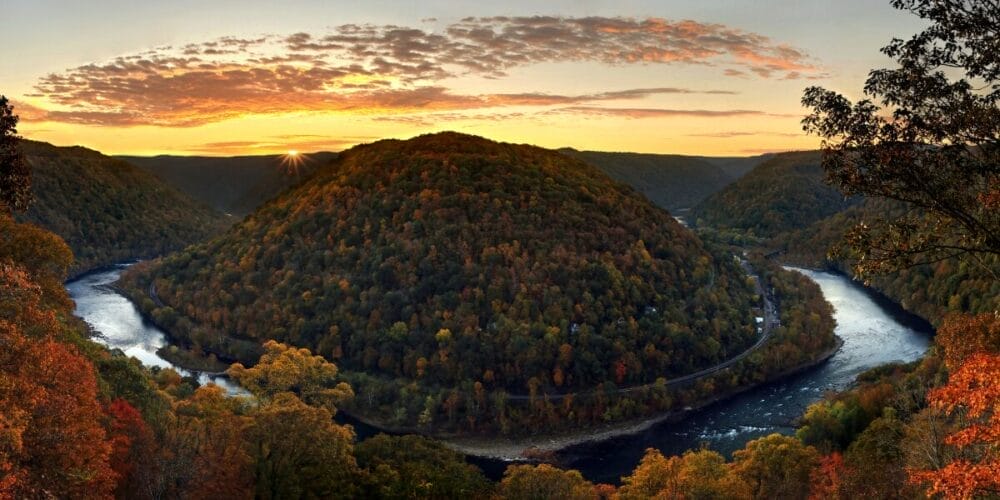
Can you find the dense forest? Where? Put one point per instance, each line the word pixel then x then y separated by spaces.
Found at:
pixel 673 182
pixel 109 211
pixel 448 270
pixel 234 185
pixel 784 192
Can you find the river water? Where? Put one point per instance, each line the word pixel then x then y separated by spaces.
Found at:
pixel 874 331
pixel 120 325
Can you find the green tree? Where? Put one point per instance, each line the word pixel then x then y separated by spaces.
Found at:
pixel 15 175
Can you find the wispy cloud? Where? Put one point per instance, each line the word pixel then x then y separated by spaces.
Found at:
pixel 387 70
pixel 661 113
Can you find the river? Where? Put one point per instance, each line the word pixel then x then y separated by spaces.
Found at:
pixel 120 325
pixel 874 331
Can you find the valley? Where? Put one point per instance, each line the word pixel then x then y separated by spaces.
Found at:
pixel 501 251
pixel 445 322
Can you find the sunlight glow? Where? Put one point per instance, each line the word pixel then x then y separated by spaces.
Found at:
pixel 292 162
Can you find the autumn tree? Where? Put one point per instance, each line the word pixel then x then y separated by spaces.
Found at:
pixel 776 466
pixel 132 446
pixel 299 452
pixel 540 482
pixel 694 475
pixel 972 395
pixel 283 368
pixel 413 466
pixel 15 175
pixel 926 134
pixel 52 442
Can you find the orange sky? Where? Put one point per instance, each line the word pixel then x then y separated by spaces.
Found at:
pixel 630 80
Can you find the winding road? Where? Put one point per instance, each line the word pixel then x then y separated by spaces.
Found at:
pixel 767 327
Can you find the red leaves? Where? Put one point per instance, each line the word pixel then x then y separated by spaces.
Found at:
pixel 973 395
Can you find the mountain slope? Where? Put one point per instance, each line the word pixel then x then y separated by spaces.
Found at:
pixel 783 193
pixel 453 261
pixel 108 210
pixel 235 185
pixel 673 182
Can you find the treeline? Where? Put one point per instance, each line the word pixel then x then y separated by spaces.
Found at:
pixel 82 422
pixel 452 261
pixel 109 211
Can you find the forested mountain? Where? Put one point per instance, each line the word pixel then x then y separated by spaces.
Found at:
pixel 235 185
pixel 673 182
pixel 454 261
pixel 108 210
pixel 783 193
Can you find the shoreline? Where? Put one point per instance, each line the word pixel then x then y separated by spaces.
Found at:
pixel 527 450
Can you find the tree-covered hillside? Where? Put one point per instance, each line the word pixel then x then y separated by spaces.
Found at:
pixel 783 193
pixel 235 185
pixel 108 210
pixel 673 182
pixel 452 260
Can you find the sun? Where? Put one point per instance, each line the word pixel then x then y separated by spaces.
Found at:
pixel 293 161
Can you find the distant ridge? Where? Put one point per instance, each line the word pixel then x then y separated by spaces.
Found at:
pixel 233 185
pixel 674 182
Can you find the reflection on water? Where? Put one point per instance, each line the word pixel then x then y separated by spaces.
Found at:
pixel 873 334
pixel 122 327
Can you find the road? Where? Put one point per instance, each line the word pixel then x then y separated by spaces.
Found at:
pixel 767 327
pixel 154 296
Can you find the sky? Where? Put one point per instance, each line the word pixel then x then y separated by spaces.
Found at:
pixel 704 77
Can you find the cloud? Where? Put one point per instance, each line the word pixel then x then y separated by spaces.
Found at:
pixel 659 112
pixel 386 70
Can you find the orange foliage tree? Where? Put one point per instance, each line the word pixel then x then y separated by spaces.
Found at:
pixel 51 442
pixel 972 395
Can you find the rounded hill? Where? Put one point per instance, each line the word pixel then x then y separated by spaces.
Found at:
pixel 783 193
pixel 450 260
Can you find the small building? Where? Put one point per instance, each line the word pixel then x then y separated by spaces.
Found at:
pixel 759 319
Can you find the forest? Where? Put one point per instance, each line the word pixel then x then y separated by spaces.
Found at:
pixel 109 211
pixel 453 275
